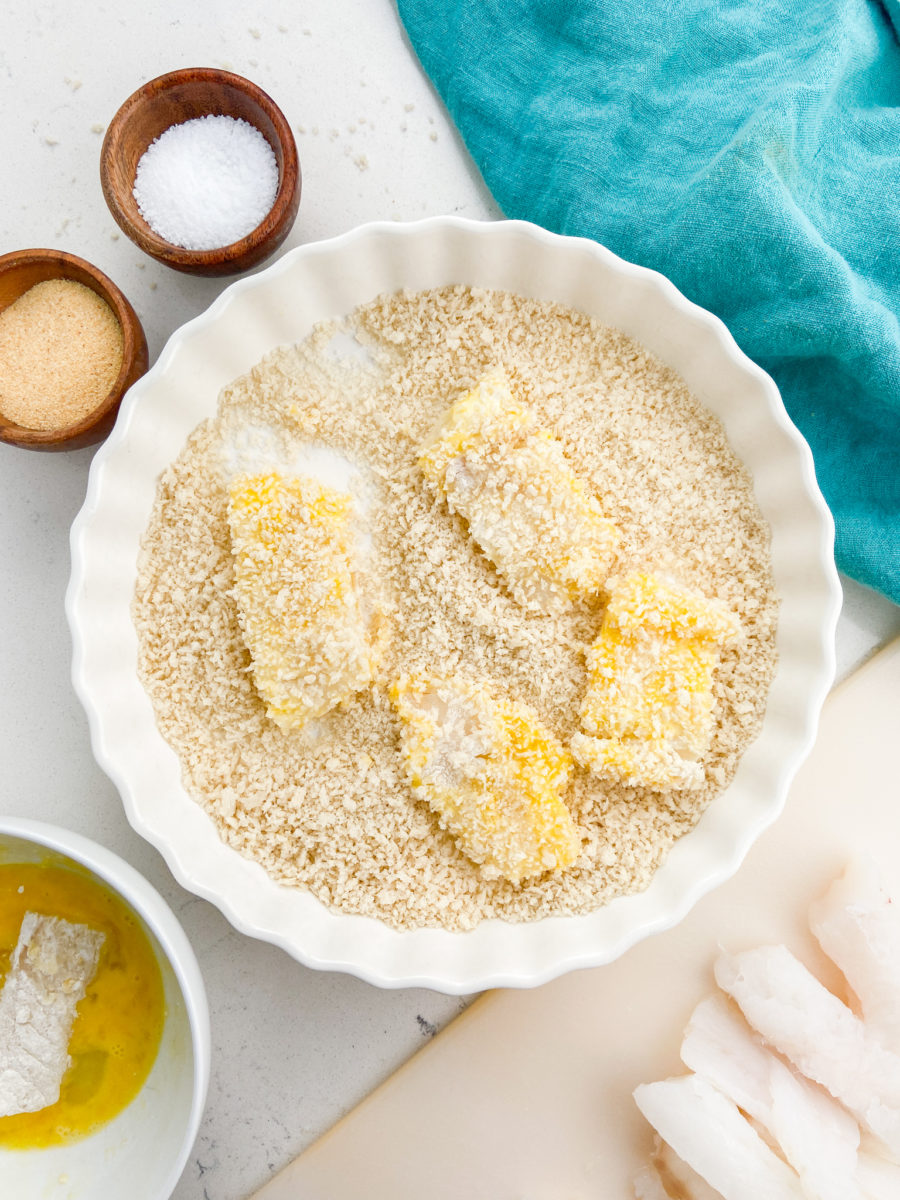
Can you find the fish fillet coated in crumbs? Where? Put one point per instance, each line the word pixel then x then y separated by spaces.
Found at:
pixel 328 807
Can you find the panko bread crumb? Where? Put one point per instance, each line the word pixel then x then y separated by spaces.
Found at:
pixel 328 807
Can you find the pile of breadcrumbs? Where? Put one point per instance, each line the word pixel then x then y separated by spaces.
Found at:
pixel 328 808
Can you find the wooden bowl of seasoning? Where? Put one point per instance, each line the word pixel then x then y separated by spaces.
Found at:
pixel 199 168
pixel 71 346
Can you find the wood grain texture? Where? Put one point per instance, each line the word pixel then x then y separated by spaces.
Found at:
pixel 21 270
pixel 183 96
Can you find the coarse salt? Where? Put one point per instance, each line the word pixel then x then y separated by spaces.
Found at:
pixel 207 182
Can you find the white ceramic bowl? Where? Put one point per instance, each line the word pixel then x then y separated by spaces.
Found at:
pixel 141 1152
pixel 280 305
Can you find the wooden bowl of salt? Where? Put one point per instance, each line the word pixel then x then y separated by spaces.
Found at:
pixel 199 168
pixel 71 346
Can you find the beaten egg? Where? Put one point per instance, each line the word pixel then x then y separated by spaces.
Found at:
pixel 119 1022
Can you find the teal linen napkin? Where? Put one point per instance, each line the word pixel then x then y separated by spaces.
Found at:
pixel 748 149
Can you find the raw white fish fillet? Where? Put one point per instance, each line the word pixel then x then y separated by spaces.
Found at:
pixel 707 1130
pixel 51 966
pixel 648 1185
pixel 878 1178
pixel 817 1136
pixel 679 1178
pixel 792 1010
pixel 858 926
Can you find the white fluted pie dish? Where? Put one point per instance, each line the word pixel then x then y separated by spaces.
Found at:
pixel 280 305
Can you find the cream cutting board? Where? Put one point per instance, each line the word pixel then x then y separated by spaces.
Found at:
pixel 527 1095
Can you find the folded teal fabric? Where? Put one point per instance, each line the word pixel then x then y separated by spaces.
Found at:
pixel 747 149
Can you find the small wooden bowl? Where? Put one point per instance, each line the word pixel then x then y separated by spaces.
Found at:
pixel 21 270
pixel 170 100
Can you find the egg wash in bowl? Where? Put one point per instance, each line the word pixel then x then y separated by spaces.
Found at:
pixel 386 661
pixel 104 1027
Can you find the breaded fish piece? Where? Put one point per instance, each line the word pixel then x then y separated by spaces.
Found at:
pixel 51 967
pixel 294 541
pixel 647 712
pixel 492 773
pixel 534 518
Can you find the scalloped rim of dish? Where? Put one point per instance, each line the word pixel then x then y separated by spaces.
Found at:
pixel 328 279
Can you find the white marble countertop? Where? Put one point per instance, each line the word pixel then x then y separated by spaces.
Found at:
pixel 293 1049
